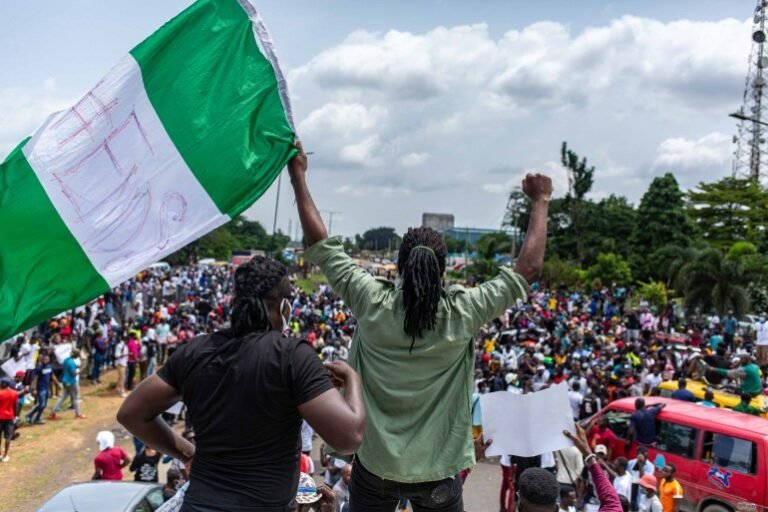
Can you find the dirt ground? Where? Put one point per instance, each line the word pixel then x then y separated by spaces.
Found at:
pixel 47 457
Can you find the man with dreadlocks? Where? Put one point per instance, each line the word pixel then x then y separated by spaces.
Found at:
pixel 247 389
pixel 413 350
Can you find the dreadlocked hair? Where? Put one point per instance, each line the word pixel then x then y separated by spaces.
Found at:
pixel 421 263
pixel 253 282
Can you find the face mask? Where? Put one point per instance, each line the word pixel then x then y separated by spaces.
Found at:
pixel 286 304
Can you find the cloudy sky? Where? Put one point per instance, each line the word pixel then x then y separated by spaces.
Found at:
pixel 439 106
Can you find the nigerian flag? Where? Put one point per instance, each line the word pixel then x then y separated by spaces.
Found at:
pixel 184 133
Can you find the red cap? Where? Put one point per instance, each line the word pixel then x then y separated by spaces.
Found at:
pixel 20 373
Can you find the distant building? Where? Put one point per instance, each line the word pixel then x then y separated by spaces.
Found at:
pixel 471 235
pixel 437 221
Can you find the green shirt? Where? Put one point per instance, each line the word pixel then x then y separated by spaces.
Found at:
pixel 418 404
pixel 742 407
pixel 750 378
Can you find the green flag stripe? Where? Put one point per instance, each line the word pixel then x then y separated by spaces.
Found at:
pixel 218 99
pixel 43 270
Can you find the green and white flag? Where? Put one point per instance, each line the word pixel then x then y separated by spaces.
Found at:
pixel 184 133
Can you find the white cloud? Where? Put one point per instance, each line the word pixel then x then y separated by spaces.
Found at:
pixel 363 153
pixel 414 159
pixel 543 64
pixel 683 154
pixel 23 110
pixel 342 119
pixel 553 169
pixel 373 191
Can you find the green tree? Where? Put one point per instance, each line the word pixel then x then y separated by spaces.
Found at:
pixel 454 245
pixel 516 217
pixel 557 272
pixel 379 239
pixel 730 210
pixel 714 281
pixel 580 181
pixel 655 292
pixel 492 244
pixel 610 268
pixel 661 220
pixel 610 223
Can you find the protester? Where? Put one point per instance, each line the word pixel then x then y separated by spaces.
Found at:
pixel 172 484
pixel 341 489
pixel 407 345
pixel 145 465
pixel 745 407
pixel 110 460
pixel 43 377
pixel 709 399
pixel 622 482
pixel 70 381
pixel 638 468
pixel 606 494
pixel 252 372
pixel 682 392
pixel 8 400
pixel 121 363
pixel 670 490
pixel 651 502
pixel 642 423
pixel 749 373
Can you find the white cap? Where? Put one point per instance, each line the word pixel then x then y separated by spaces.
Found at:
pixel 106 439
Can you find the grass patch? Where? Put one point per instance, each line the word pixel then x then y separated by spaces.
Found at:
pixel 311 283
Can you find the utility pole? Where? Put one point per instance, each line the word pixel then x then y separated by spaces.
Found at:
pixel 330 220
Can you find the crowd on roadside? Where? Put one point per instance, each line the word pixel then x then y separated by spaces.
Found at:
pixel 605 345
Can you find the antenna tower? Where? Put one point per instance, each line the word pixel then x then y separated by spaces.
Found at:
pixel 751 156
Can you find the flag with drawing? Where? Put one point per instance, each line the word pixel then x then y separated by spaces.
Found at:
pixel 184 133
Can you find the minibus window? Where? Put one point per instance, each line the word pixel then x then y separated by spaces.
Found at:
pixel 730 452
pixel 618 422
pixel 676 439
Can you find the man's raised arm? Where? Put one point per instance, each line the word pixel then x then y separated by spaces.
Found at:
pixel 531 258
pixel 311 221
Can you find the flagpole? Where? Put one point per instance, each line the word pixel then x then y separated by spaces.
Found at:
pixel 277 202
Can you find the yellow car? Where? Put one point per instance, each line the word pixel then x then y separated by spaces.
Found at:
pixel 723 399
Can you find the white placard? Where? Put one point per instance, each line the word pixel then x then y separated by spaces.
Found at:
pixel 11 366
pixel 527 425
pixel 62 351
pixel 175 408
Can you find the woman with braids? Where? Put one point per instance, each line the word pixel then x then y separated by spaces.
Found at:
pixel 413 350
pixel 247 389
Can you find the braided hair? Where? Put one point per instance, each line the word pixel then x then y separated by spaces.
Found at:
pixel 421 263
pixel 254 281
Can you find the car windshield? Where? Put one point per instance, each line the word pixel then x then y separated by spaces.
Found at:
pixel 92 497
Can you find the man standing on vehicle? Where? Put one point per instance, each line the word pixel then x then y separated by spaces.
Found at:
pixel 749 373
pixel 670 490
pixel 642 423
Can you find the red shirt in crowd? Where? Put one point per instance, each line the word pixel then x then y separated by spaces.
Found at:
pixel 109 462
pixel 8 400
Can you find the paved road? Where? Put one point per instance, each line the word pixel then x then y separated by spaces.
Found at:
pixel 481 490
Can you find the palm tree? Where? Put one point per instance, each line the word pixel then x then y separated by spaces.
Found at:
pixel 714 281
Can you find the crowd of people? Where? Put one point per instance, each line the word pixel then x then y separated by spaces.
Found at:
pixel 253 330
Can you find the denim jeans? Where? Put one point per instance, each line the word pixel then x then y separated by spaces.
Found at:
pixel 370 493
pixel 98 360
pixel 42 403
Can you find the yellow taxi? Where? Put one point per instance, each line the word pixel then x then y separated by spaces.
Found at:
pixel 723 399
